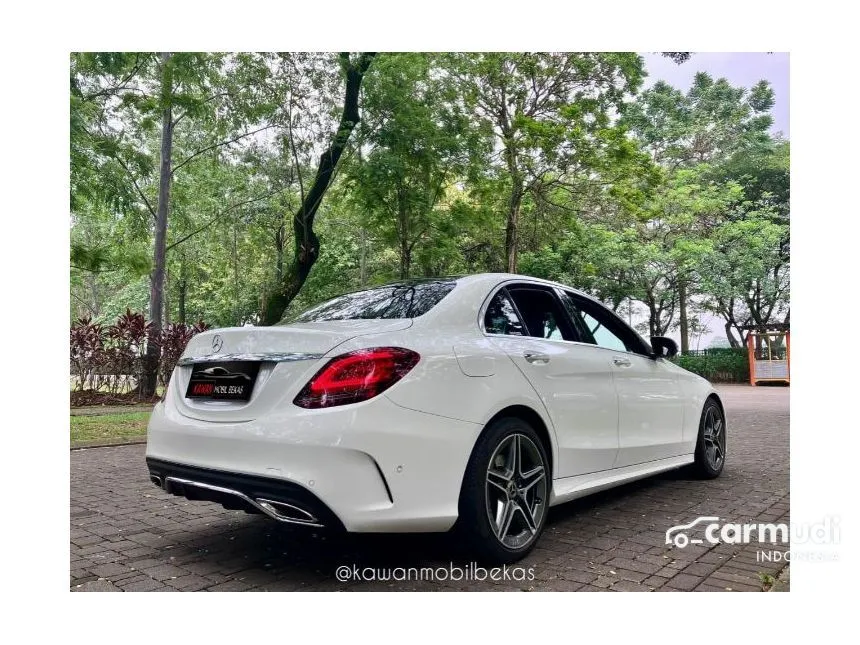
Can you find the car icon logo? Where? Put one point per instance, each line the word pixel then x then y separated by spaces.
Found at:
pixel 677 535
pixel 217 343
pixel 218 372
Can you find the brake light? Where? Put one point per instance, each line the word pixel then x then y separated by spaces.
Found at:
pixel 356 376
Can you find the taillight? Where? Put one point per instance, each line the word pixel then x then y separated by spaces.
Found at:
pixel 356 376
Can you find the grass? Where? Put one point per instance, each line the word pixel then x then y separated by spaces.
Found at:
pixel 108 426
pixel 767 581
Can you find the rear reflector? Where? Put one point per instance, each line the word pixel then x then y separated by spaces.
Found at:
pixel 356 376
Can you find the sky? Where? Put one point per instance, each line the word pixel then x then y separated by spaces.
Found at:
pixel 740 69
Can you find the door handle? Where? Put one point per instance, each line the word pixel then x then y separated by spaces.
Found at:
pixel 620 361
pixel 536 357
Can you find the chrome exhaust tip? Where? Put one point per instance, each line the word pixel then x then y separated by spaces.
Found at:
pixel 287 512
pixel 281 511
pixel 155 479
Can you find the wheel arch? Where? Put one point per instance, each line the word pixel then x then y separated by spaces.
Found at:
pixel 716 397
pixel 530 416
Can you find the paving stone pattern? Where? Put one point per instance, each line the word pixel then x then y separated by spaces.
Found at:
pixel 126 535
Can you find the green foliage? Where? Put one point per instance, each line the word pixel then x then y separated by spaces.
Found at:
pixel 712 121
pixel 721 164
pixel 723 365
pixel 764 173
pixel 461 163
pixel 418 147
pixel 551 141
pixel 590 257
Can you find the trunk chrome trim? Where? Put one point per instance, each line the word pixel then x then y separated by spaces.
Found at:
pixel 263 505
pixel 266 357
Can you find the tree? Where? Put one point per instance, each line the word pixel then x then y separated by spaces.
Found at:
pixel 746 277
pixel 592 257
pixel 746 273
pixel 306 242
pixel 416 146
pixel 549 115
pixel 422 187
pixel 685 213
pixel 126 106
pixel 165 175
pixel 765 174
pixel 708 124
pixel 187 88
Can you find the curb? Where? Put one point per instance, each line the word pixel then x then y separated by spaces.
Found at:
pixel 107 443
pixel 102 410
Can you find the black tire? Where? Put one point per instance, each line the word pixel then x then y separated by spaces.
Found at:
pixel 483 488
pixel 711 442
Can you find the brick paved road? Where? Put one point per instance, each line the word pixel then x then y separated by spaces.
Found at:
pixel 127 535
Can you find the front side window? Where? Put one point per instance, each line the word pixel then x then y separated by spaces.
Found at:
pixel 598 326
pixel 600 335
pixel 407 300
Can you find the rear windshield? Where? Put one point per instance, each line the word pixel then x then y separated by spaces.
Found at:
pixel 408 300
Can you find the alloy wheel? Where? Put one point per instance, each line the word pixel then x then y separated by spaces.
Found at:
pixel 715 438
pixel 516 491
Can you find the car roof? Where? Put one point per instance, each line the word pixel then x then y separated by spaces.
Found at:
pixel 498 278
pixel 489 278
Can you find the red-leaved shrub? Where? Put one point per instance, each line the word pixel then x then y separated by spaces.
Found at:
pixel 86 352
pixel 126 348
pixel 111 359
pixel 174 338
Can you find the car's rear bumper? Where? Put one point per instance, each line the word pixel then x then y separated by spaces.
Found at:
pixel 279 499
pixel 369 467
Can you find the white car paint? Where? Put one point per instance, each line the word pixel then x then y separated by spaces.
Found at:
pixel 650 410
pixel 577 391
pixel 396 462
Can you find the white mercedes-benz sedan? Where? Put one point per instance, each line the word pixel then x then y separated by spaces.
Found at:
pixel 472 403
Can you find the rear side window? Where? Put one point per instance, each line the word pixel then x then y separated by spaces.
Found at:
pixel 502 318
pixel 408 300
pixel 527 311
pixel 542 313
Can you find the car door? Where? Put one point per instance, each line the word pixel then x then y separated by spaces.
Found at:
pixel 650 399
pixel 528 322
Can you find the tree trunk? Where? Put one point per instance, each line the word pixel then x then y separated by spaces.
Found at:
pixel 653 318
pixel 362 258
pixel 730 336
pixel 280 236
pixel 166 316
pixel 512 229
pixel 516 200
pixel 183 292
pixel 95 309
pixel 405 258
pixel 236 315
pixel 149 378
pixel 682 302
pixel 307 244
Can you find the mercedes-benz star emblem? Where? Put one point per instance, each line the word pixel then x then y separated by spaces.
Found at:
pixel 217 343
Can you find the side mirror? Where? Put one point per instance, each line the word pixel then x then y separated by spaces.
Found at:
pixel 664 347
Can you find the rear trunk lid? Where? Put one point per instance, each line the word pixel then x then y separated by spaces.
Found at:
pixel 288 357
